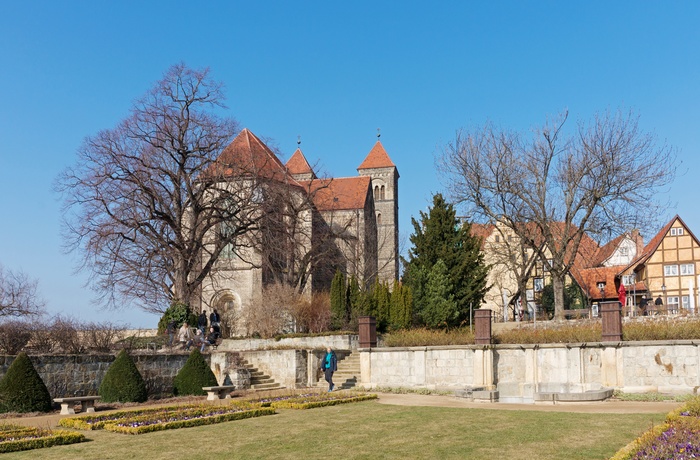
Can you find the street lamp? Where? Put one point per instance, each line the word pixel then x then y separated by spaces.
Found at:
pixel 663 293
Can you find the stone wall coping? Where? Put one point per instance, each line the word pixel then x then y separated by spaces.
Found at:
pixel 535 346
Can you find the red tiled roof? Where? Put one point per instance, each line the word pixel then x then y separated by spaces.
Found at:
pixel 377 158
pixel 482 231
pixel 339 194
pixel 589 278
pixel 653 244
pixel 248 156
pixel 297 164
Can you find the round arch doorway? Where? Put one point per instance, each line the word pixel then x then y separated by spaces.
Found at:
pixel 228 305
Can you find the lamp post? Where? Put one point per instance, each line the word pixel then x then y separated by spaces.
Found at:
pixel 663 294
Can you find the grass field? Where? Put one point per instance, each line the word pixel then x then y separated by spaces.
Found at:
pixel 370 430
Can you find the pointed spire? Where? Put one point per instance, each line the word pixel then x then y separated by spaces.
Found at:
pixel 377 158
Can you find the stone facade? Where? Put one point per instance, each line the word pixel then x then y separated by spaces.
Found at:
pixel 348 224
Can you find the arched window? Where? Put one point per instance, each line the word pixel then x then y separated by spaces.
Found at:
pixel 379 218
pixel 381 193
pixel 376 192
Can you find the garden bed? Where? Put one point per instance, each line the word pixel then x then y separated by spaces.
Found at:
pixel 312 400
pixel 14 438
pixel 677 437
pixel 166 418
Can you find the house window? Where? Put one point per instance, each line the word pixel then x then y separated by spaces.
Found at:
pixel 671 270
pixel 687 269
pixel 381 192
pixel 628 279
pixel 676 231
pixel 379 219
pixel 376 192
pixel 498 239
pixel 672 303
pixel 538 284
pixel 624 251
pixel 601 286
pixel 686 301
pixel 510 238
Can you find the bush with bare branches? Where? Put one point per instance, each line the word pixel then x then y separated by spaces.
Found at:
pixel 101 337
pixel 14 336
pixel 65 335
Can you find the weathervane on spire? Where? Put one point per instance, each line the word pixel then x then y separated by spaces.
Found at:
pixel 298 140
pixel 379 133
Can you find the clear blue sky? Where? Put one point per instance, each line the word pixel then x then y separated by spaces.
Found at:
pixel 332 73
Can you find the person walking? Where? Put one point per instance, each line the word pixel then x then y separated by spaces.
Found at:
pixel 329 365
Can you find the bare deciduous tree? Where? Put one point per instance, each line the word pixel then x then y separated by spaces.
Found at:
pixel 144 198
pixel 18 294
pixel 552 188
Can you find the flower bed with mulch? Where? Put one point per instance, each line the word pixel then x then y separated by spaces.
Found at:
pixel 677 437
pixel 14 438
pixel 312 400
pixel 167 418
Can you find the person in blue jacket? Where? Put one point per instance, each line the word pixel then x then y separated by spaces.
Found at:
pixel 329 365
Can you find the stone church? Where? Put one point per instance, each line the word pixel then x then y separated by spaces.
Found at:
pixel 350 224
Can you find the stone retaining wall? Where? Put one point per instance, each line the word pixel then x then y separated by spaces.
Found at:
pixel 66 375
pixel 517 372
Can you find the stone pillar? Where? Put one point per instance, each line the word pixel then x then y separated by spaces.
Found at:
pixel 482 326
pixel 368 332
pixel 611 313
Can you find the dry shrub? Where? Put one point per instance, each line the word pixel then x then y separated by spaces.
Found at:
pixel 65 335
pixel 427 337
pixel 42 339
pixel 553 332
pixel 270 314
pixel 101 337
pixel 661 328
pixel 314 315
pixel 14 336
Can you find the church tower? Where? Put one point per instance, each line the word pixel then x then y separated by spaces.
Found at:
pixel 385 186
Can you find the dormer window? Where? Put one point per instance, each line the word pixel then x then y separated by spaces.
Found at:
pixel 677 231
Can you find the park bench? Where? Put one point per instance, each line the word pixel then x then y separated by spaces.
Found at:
pixel 219 392
pixel 87 403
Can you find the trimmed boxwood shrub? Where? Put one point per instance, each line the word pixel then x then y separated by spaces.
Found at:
pixel 22 390
pixel 123 381
pixel 194 375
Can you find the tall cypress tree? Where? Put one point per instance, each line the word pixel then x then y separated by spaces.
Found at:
pixel 339 306
pixel 439 235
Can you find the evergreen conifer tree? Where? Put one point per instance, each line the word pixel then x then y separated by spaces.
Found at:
pixel 339 304
pixel 194 375
pixel 440 309
pixel 440 236
pixel 22 390
pixel 123 381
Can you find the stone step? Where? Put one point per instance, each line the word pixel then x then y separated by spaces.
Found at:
pixel 266 386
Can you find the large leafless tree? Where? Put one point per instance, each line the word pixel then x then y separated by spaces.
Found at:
pixel 18 294
pixel 144 198
pixel 552 187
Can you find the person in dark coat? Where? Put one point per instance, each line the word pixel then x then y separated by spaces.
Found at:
pixel 329 365
pixel 202 321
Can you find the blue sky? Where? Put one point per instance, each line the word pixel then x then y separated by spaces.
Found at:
pixel 333 74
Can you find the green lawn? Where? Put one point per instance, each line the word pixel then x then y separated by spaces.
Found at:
pixel 370 430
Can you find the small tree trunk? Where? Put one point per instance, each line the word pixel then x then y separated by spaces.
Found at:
pixel 558 288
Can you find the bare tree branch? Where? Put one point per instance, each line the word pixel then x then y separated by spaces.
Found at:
pixel 18 295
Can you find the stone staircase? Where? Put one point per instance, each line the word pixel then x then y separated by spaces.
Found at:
pixel 348 374
pixel 259 381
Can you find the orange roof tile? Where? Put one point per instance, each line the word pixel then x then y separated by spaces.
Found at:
pixel 248 156
pixel 297 164
pixel 339 194
pixel 608 249
pixel 482 231
pixel 377 158
pixel 589 278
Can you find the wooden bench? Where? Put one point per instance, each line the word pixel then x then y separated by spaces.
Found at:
pixel 87 404
pixel 219 392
